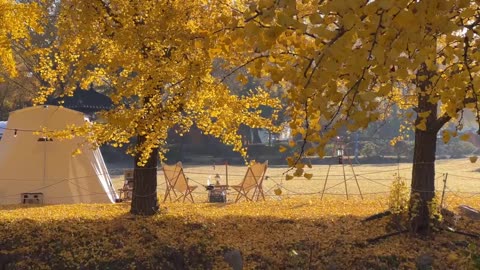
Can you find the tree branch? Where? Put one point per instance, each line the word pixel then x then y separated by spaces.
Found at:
pixel 242 66
pixel 357 83
pixel 442 120
pixel 110 13
pixel 470 76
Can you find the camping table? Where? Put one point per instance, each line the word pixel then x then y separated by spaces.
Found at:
pixel 217 193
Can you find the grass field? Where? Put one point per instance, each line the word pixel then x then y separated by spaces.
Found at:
pixel 463 179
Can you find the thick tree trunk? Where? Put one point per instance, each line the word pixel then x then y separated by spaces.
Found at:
pixel 423 172
pixel 144 199
pixel 423 181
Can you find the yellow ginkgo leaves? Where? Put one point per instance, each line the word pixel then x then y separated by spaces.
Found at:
pixel 157 60
pixel 465 137
pixel 292 233
pixel 344 64
pixel 17 20
pixel 308 175
pixel 448 134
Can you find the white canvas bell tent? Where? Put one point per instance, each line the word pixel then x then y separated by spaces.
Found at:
pixel 35 169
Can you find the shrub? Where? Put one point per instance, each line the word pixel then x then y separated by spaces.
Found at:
pixel 370 149
pixel 385 148
pixel 404 148
pixel 399 196
pixel 458 149
pixel 398 203
pixel 329 149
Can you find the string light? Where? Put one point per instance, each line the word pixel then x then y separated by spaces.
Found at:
pixel 20 130
pixel 16 130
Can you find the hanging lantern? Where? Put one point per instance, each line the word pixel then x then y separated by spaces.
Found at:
pixel 340 152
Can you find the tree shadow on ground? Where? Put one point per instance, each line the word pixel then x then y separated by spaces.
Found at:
pixel 168 240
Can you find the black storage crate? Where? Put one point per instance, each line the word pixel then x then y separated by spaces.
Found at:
pixel 217 195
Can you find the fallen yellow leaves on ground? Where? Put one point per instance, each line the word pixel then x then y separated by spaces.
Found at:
pixel 290 233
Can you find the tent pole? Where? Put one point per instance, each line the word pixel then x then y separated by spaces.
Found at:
pixel 226 173
pixel 44 162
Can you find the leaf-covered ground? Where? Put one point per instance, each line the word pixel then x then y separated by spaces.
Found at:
pixel 294 233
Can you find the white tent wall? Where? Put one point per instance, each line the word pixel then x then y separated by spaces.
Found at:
pixel 29 164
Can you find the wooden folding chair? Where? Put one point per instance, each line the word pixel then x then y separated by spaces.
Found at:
pixel 126 192
pixel 252 182
pixel 177 183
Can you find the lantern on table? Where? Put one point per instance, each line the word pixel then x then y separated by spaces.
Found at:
pixel 217 179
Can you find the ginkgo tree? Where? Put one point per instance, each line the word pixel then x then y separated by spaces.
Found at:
pixel 17 21
pixel 156 59
pixel 343 63
pixel 34 22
